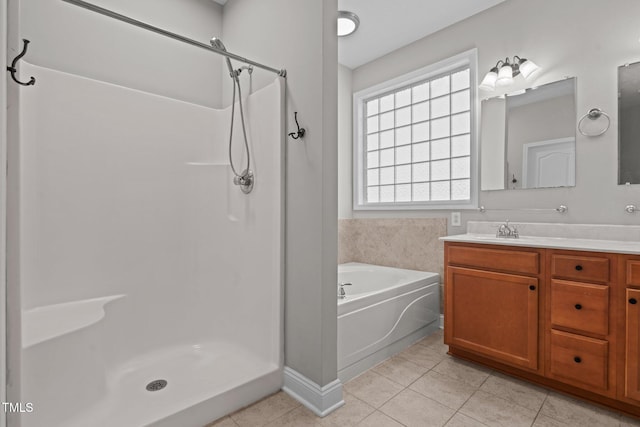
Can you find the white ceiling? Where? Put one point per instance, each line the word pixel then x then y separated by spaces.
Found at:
pixel 387 25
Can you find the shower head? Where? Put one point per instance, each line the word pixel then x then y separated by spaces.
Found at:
pixel 217 43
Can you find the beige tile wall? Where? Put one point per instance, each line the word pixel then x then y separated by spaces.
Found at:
pixel 400 242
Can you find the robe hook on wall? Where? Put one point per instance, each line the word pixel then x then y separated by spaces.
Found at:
pixel 13 70
pixel 301 131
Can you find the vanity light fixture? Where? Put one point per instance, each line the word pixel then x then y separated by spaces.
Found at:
pixel 504 72
pixel 348 23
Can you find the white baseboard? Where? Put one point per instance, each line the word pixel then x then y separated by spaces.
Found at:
pixel 320 400
pixel 442 321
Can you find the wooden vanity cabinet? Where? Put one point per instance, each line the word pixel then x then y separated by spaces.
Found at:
pixel 629 356
pixel 580 332
pixel 492 303
pixel 569 320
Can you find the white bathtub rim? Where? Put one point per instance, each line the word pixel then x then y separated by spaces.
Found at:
pixel 412 274
pixel 414 279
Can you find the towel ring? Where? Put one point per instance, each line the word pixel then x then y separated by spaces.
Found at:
pixel 594 114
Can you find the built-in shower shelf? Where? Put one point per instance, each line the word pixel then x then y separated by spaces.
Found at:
pixel 44 323
pixel 206 164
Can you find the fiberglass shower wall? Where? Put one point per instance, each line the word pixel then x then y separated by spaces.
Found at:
pixel 139 258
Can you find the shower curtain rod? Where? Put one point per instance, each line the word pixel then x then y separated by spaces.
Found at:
pixel 128 20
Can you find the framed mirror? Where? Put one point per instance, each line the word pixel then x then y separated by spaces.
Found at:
pixel 629 124
pixel 528 138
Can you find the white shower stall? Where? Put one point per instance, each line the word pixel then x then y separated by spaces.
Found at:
pixel 150 286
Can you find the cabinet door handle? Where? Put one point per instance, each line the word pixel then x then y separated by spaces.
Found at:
pixel 578 306
pixel 533 288
pixel 632 301
pixel 579 267
pixel 577 359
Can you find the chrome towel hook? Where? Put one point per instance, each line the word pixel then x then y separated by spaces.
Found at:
pixel 301 131
pixel 13 70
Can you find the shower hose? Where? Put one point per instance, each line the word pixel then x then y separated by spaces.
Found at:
pixel 240 178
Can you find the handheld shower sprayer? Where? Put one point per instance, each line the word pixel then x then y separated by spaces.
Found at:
pixel 217 43
pixel 245 178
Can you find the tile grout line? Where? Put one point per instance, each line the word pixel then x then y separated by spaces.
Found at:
pixel 540 409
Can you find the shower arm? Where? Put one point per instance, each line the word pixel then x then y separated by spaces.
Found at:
pixel 106 12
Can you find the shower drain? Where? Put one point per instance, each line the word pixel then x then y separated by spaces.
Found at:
pixel 156 385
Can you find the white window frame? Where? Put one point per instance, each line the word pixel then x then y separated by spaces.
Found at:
pixel 465 59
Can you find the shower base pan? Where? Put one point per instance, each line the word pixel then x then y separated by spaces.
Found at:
pixel 179 386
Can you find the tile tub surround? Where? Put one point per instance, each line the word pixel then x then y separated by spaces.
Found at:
pixel 410 243
pixel 405 391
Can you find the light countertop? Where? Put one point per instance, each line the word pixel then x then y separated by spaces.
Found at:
pixel 581 237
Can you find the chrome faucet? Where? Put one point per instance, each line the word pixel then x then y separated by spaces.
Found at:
pixel 341 293
pixel 507 231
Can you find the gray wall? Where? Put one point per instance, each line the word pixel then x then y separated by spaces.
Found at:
pixel 588 39
pixel 345 133
pixel 299 35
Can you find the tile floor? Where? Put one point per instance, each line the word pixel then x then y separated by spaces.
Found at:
pixel 423 386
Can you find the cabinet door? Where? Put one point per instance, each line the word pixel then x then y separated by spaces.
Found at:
pixel 493 314
pixel 632 380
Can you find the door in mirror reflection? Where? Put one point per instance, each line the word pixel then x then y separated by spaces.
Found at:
pixel 629 126
pixel 528 138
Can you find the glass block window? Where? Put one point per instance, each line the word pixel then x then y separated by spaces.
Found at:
pixel 416 143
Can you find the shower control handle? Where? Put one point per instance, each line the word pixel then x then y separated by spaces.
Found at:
pixel 245 181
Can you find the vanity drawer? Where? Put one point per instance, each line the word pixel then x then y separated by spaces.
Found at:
pixel 582 268
pixel 495 259
pixel 579 359
pixel 580 306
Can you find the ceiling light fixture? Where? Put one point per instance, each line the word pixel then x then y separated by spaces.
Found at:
pixel 348 23
pixel 504 72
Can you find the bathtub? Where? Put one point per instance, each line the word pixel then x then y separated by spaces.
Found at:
pixel 384 310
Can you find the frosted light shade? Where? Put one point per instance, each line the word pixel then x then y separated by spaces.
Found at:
pixel 489 81
pixel 527 68
pixel 346 26
pixel 505 76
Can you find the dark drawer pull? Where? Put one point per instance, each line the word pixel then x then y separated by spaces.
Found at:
pixel 577 359
pixel 579 267
pixel 632 301
pixel 578 306
pixel 533 288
